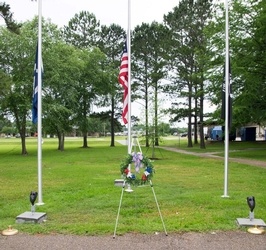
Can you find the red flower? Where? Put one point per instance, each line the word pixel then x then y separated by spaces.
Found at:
pixel 144 177
pixel 126 171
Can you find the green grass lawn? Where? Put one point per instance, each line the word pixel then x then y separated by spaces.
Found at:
pixel 80 196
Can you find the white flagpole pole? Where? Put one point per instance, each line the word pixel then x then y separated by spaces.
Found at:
pixel 40 202
pixel 226 131
pixel 129 75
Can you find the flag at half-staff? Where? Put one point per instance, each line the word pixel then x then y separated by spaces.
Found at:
pixel 37 99
pixel 123 80
pixel 36 86
pixel 35 90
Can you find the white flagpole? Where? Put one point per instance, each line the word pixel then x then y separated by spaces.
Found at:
pixel 40 202
pixel 129 75
pixel 226 131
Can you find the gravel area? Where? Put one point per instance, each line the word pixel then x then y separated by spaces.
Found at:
pixel 186 241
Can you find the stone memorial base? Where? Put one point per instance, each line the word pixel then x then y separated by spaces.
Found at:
pixel 247 222
pixel 29 217
pixel 119 182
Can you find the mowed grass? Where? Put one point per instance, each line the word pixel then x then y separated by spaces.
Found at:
pixel 80 196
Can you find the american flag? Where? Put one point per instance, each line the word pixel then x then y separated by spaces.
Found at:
pixel 123 80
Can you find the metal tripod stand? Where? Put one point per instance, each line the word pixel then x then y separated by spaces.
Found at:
pixel 136 143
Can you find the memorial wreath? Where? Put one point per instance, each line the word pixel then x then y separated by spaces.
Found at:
pixel 140 162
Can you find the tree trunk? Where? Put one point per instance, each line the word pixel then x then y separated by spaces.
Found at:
pixel 146 124
pixel 22 132
pixel 146 109
pixel 202 137
pixel 153 148
pixel 196 119
pixel 23 144
pixel 156 134
pixel 112 123
pixel 85 140
pixel 190 145
pixel 61 141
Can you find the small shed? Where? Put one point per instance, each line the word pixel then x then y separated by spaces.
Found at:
pixel 217 133
pixel 248 134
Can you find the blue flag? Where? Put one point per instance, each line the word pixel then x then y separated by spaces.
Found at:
pixel 35 90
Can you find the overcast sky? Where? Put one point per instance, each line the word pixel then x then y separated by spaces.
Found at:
pixel 106 11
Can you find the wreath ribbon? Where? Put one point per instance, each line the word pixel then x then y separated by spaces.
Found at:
pixel 139 162
pixel 137 158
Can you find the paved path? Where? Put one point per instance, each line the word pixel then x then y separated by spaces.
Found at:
pixel 212 155
pixel 187 241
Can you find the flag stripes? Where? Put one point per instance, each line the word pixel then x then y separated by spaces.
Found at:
pixel 123 80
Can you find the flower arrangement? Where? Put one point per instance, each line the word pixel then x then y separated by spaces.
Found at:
pixel 140 162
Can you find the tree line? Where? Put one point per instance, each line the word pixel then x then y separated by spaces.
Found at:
pixel 181 58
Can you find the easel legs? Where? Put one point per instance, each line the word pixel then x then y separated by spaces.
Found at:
pixel 120 203
pixel 158 208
